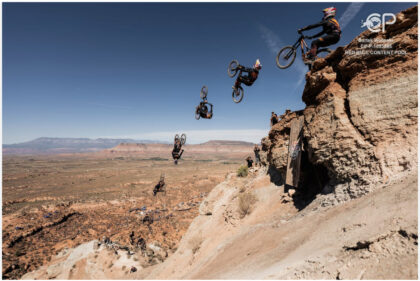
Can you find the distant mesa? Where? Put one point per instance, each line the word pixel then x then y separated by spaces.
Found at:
pixel 45 145
pixel 227 142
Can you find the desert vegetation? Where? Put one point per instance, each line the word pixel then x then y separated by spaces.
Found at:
pixel 245 202
pixel 242 171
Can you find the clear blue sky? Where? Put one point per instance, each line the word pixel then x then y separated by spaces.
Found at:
pixel 136 69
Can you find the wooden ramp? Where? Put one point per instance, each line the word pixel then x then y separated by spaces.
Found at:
pixel 295 152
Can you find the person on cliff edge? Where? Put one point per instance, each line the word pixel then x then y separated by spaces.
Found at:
pixel 330 27
pixel 257 155
pixel 249 161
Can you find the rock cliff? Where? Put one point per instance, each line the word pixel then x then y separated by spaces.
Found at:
pixel 360 119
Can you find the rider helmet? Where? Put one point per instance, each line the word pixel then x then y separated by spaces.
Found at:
pixel 257 64
pixel 329 12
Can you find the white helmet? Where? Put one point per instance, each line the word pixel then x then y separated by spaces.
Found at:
pixel 329 12
pixel 257 64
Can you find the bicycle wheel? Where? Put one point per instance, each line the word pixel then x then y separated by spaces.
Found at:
pixel 183 139
pixel 176 137
pixel 204 91
pixel 238 94
pixel 286 57
pixel 197 113
pixel 232 68
pixel 322 53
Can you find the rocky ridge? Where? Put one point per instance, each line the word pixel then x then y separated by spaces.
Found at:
pixel 360 119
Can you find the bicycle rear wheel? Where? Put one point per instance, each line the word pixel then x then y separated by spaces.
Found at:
pixel 183 139
pixel 238 94
pixel 286 57
pixel 322 53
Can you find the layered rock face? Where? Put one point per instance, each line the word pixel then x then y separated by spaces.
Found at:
pixel 361 112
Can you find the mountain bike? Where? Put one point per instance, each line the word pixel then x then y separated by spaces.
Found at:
pixel 287 55
pixel 202 109
pixel 183 138
pixel 233 68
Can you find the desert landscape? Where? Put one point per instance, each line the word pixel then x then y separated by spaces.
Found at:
pixel 54 202
pixel 352 214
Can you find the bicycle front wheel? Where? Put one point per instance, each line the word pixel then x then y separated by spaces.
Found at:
pixel 286 57
pixel 204 91
pixel 233 68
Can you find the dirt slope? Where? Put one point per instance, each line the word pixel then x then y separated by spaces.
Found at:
pixel 371 237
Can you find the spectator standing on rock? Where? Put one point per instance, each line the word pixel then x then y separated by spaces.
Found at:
pixel 273 120
pixel 257 154
pixel 249 161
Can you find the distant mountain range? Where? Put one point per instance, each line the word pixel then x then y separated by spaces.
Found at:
pixel 46 145
pixel 228 142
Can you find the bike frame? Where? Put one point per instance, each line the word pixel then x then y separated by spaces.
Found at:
pixel 303 46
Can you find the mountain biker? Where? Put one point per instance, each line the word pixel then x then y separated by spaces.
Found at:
pixel 159 186
pixel 204 110
pixel 252 75
pixel 330 27
pixel 176 151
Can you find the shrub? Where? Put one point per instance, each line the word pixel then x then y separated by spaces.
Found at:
pixel 195 243
pixel 245 203
pixel 242 171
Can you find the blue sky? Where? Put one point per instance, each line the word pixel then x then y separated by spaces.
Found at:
pixel 136 69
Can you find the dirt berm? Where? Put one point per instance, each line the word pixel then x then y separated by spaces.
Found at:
pixel 354 214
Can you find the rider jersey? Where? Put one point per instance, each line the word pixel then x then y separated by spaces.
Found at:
pixel 252 73
pixel 329 26
pixel 177 147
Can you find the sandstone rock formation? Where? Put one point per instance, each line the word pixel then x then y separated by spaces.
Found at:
pixel 361 114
